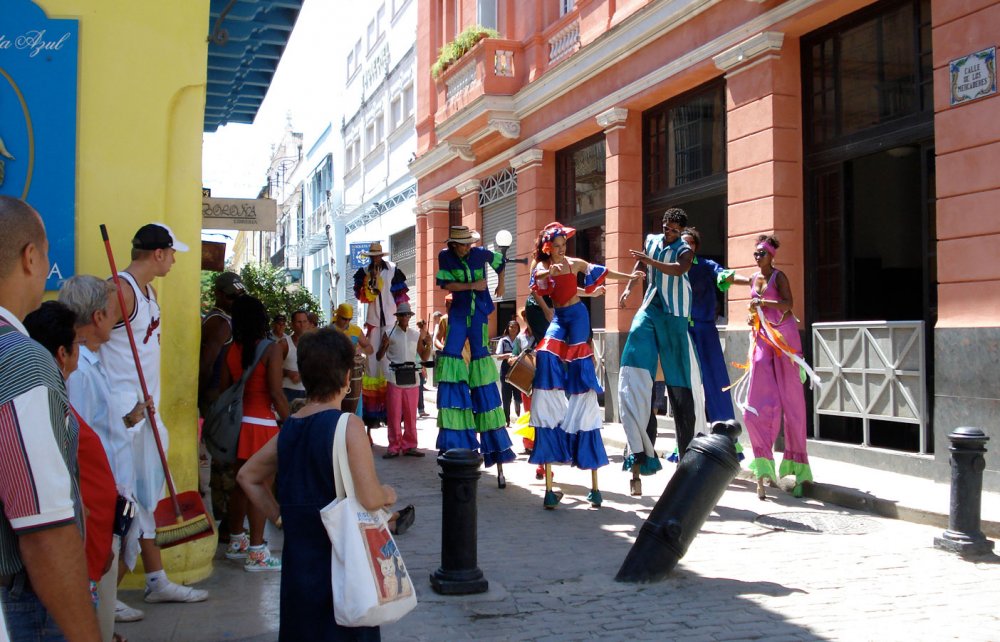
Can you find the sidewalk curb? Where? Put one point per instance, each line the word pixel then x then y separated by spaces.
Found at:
pixel 860 500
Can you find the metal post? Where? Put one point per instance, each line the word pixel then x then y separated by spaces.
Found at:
pixel 964 536
pixel 702 476
pixel 459 573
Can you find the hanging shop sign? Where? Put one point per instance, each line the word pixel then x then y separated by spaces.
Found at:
pixel 254 214
pixel 38 99
pixel 973 76
pixel 357 249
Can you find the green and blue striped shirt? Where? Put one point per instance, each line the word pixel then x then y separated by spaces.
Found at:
pixel 675 291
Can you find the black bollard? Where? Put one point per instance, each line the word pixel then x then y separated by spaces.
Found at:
pixel 459 573
pixel 964 536
pixel 701 478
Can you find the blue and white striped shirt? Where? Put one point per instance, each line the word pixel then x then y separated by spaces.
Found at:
pixel 675 291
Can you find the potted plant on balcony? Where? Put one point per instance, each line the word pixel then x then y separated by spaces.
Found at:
pixel 463 42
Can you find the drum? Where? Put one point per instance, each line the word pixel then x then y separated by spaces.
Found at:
pixel 522 372
pixel 353 397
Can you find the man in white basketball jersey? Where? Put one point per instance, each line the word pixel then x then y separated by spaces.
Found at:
pixel 153 250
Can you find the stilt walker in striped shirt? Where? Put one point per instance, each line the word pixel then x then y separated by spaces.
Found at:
pixel 564 409
pixel 661 324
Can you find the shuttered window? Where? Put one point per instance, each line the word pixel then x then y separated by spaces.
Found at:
pixel 501 215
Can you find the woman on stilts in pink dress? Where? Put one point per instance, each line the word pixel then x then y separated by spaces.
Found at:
pixel 772 388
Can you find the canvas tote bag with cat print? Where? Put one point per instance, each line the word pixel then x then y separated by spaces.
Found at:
pixel 370 583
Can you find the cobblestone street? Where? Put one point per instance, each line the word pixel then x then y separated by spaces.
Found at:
pixel 854 577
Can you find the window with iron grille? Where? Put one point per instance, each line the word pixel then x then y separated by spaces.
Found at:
pixel 501 185
pixel 685 140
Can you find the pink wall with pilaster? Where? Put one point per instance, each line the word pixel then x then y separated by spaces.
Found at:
pixel 623 220
pixel 430 243
pixel 967 143
pixel 764 158
pixel 536 206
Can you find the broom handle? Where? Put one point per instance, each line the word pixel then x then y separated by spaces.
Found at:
pixel 138 368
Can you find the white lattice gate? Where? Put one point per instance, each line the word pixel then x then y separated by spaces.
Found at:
pixel 871 370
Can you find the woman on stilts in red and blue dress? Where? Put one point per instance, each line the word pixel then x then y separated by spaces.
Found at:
pixel 564 408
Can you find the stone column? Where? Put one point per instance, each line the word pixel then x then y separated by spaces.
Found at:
pixel 419 277
pixel 472 214
pixel 436 214
pixel 764 158
pixel 623 231
pixel 472 217
pixel 536 200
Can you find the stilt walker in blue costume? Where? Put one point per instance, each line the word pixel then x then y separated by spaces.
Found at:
pixel 468 398
pixel 564 409
pixel 660 332
pixel 706 278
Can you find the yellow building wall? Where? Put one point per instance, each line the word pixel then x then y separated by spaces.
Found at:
pixel 141 104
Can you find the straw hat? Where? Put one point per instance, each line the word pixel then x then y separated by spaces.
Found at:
pixel 462 235
pixel 375 249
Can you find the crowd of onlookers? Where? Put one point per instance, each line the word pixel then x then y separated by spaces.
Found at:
pixel 80 477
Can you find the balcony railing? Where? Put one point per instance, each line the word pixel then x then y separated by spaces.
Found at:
pixel 318 219
pixel 494 67
pixel 564 42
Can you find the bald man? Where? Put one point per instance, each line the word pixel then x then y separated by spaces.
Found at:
pixel 43 575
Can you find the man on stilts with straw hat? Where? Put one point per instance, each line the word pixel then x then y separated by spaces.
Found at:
pixel 468 398
pixel 382 286
pixel 153 254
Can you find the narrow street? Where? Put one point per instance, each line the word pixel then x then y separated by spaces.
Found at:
pixel 843 575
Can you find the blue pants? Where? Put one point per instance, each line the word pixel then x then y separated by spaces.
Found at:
pixel 718 402
pixel 472 329
pixel 27 619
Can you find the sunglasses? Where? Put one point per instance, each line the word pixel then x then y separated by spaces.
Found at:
pixel 345 318
pixel 759 254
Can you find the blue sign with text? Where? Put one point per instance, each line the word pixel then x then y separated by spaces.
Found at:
pixel 38 97
pixel 357 249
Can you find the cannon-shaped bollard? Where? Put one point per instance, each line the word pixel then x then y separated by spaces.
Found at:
pixel 964 536
pixel 459 573
pixel 701 478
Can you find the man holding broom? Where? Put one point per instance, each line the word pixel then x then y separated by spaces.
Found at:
pixel 153 250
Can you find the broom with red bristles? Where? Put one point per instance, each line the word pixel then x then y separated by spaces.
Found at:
pixel 181 517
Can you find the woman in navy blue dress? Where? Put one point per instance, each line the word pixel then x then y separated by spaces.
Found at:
pixel 302 456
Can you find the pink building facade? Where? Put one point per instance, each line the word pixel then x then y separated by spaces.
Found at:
pixel 863 134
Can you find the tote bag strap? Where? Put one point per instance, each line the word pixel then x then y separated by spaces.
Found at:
pixel 341 466
pixel 262 345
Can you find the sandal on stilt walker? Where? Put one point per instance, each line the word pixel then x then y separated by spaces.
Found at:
pixel 552 498
pixel 594 496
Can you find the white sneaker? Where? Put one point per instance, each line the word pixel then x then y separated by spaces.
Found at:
pixel 125 613
pixel 238 545
pixel 176 593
